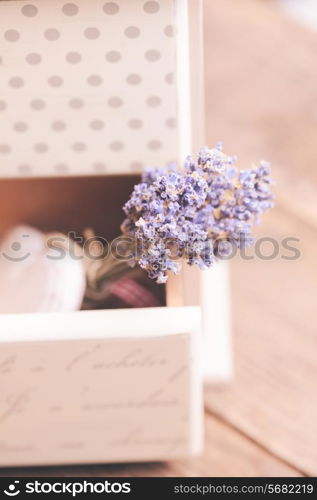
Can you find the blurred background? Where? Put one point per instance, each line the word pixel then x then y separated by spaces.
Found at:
pixel 261 101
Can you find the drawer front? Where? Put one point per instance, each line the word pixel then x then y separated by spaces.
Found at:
pixel 107 398
pixel 118 84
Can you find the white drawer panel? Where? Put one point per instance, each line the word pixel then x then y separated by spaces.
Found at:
pixel 100 386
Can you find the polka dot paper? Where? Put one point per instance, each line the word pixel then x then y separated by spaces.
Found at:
pixel 87 86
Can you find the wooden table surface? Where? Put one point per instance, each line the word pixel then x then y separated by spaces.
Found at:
pixel 261 77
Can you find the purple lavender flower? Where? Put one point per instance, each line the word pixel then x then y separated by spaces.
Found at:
pixel 176 214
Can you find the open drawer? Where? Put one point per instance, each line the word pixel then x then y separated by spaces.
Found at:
pixel 95 386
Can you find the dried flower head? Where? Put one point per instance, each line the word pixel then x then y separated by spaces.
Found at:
pixel 185 214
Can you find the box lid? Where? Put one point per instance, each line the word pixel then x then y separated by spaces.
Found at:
pixel 93 87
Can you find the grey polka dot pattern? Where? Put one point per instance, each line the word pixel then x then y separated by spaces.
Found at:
pixel 113 56
pixel 55 81
pixel 116 146
pixel 94 80
pixel 58 126
pixel 172 162
pixel 92 33
pixel 135 123
pixel 78 146
pixel 134 79
pixel 111 8
pixel 91 81
pixel 52 34
pixel 136 166
pixel 155 144
pixel 12 35
pixel 16 82
pixel 169 78
pixel 41 147
pixel 151 7
pixel 37 104
pixel 171 123
pixel 169 30
pixel 152 55
pixel 153 101
pixel 33 58
pixel 73 57
pixel 97 124
pixel 24 168
pixel 132 32
pixel 20 127
pixel 5 149
pixel 115 102
pixel 61 167
pixel 29 10
pixel 76 103
pixel 70 9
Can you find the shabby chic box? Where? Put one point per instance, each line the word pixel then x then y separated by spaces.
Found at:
pixel 91 91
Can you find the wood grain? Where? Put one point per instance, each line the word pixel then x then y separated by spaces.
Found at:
pixel 261 84
pixel 261 98
pixel 273 397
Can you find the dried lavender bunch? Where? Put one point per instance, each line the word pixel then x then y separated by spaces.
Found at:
pixel 174 215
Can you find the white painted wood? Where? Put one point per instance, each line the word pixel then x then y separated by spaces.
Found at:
pixel 183 81
pixel 217 327
pixel 209 289
pixel 100 386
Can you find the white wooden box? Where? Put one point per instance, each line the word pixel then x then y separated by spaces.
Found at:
pixel 90 91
